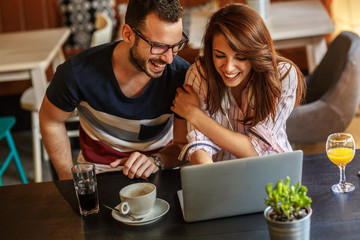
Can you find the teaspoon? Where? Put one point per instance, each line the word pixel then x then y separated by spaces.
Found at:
pixel 127 215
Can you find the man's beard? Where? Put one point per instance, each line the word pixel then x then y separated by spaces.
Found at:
pixel 140 63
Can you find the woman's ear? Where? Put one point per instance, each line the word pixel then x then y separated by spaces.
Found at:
pixel 127 33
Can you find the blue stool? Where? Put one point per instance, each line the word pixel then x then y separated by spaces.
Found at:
pixel 6 123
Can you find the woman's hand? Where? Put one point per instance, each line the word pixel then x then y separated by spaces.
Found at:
pixel 186 102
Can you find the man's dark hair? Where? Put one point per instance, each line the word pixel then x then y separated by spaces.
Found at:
pixel 166 10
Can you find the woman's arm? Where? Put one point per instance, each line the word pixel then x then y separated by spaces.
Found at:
pixel 200 157
pixel 266 137
pixel 187 105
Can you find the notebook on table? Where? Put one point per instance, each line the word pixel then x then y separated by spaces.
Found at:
pixel 234 187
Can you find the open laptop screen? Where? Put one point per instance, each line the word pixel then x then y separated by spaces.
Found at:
pixel 234 187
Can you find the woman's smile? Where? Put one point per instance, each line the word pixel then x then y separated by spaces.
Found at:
pixel 231 76
pixel 231 65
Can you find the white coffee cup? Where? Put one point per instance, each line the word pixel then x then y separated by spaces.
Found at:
pixel 137 198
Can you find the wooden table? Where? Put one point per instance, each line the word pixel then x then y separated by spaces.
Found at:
pixel 298 24
pixel 27 55
pixel 291 24
pixel 49 210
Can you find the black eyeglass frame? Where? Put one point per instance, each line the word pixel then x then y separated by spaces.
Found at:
pixel 181 44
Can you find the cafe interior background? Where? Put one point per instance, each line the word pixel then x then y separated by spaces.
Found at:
pixel 24 15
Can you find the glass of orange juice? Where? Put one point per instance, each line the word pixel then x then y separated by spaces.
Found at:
pixel 340 149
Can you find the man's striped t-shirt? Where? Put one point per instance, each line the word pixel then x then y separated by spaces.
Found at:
pixel 112 125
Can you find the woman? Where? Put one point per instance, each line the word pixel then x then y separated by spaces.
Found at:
pixel 238 96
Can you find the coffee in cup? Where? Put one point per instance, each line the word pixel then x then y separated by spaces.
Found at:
pixel 137 198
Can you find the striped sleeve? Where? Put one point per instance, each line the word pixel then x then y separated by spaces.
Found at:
pixel 197 140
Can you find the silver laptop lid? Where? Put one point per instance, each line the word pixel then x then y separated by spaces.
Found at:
pixel 234 187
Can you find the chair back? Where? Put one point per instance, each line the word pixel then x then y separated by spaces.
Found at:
pixel 328 72
pixel 103 32
pixel 335 106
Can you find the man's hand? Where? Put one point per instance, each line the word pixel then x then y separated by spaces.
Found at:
pixel 185 101
pixel 136 165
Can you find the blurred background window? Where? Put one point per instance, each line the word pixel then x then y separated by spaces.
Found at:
pixel 346 17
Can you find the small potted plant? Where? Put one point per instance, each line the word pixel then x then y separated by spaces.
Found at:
pixel 288 213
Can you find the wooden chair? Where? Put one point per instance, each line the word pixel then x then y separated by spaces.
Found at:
pixel 28 101
pixel 6 124
pixel 104 30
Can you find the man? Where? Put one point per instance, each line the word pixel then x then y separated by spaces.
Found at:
pixel 123 92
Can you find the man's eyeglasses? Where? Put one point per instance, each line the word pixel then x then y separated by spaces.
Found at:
pixel 159 48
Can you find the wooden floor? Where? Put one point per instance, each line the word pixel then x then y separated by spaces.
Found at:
pixel 354 129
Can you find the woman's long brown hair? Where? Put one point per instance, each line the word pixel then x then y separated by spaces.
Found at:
pixel 247 34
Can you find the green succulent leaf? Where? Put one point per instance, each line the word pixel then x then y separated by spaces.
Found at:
pixel 287 200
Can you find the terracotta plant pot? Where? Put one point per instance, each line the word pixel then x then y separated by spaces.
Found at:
pixel 294 230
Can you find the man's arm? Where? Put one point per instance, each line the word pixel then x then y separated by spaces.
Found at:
pixel 170 154
pixel 139 165
pixel 55 138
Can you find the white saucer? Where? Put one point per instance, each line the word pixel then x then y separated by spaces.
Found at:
pixel 161 207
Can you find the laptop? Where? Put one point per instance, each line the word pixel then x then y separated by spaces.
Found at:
pixel 234 187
